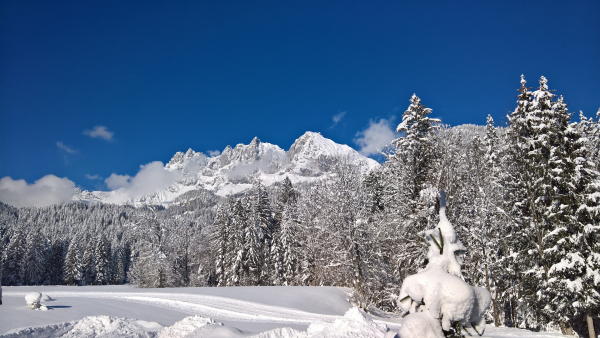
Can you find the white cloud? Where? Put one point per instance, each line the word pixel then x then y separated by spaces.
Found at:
pixel 115 181
pixel 151 177
pixel 93 177
pixel 101 132
pixel 337 118
pixel 43 192
pixel 65 147
pixel 213 153
pixel 376 137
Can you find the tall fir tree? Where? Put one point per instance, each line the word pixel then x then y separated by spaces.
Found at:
pixel 14 258
pixel 35 260
pixel 72 265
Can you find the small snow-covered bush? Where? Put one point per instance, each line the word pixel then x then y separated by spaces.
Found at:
pixel 33 300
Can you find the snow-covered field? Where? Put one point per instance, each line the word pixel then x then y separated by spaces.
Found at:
pixel 123 311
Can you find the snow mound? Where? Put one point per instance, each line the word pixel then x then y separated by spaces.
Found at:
pixel 353 324
pixel 33 300
pixel 96 326
pixel 421 325
pixel 186 326
pixel 33 297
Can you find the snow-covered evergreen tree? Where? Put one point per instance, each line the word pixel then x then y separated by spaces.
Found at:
pixel 55 262
pixel 437 300
pixel 102 258
pixel 235 257
pixel 414 180
pixel 14 259
pixel 218 242
pixel 88 267
pixel 35 260
pixel 72 264
pixel 571 289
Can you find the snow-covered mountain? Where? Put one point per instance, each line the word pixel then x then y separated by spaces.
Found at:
pixel 308 159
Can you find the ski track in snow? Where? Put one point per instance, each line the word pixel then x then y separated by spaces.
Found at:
pixel 205 306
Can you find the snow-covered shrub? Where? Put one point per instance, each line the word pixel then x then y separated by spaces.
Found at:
pixel 437 298
pixel 33 300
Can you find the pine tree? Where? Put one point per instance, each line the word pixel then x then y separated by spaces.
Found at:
pixel 525 182
pixel 235 255
pixel 414 179
pixel 287 198
pixel 218 242
pixel 55 262
pixel 34 271
pixel 254 239
pixel 288 239
pixel 14 259
pixel 263 227
pixel 72 264
pixel 571 291
pixel 102 258
pixel 88 266
pixel 119 271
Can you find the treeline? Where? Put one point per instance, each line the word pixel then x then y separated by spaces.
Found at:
pixel 82 244
pixel 525 200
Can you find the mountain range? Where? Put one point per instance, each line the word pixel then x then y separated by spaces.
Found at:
pixel 308 159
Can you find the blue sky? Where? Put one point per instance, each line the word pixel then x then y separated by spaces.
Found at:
pixel 88 89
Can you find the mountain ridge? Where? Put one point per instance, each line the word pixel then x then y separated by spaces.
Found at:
pixel 309 158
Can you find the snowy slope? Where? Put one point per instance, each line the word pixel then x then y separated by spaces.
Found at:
pixel 310 158
pixel 123 311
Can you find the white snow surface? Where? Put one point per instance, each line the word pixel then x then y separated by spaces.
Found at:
pixel 124 311
pixel 308 159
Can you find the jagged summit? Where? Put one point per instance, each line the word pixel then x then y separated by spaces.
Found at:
pixel 309 158
pixel 312 154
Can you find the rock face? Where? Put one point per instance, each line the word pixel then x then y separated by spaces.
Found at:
pixel 309 158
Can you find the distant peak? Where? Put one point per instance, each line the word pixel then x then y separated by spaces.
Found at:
pixel 255 140
pixel 190 153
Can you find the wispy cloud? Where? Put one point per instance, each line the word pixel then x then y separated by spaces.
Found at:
pixel 213 153
pixel 100 132
pixel 337 118
pixel 151 177
pixel 43 192
pixel 65 148
pixel 93 177
pixel 375 137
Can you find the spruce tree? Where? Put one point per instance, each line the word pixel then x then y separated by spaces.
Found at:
pixel 412 175
pixel 236 252
pixel 88 266
pixel 571 291
pixel 72 264
pixel 14 258
pixel 218 242
pixel 34 271
pixel 55 263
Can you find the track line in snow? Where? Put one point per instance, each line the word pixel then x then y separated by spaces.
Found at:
pixel 203 305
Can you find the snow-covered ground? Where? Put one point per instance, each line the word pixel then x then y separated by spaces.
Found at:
pixel 117 311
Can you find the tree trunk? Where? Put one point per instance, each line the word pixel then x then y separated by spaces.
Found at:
pixel 494 304
pixel 590 323
pixel 566 329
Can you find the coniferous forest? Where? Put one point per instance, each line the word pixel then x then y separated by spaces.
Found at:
pixel 524 197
